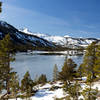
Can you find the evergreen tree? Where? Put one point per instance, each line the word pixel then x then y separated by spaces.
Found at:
pixel 97 61
pixel 36 79
pixel 42 79
pixel 27 85
pixel 88 92
pixel 89 61
pixel 90 69
pixel 68 71
pixel 1 86
pixel 14 84
pixel 74 90
pixel 55 73
pixel 6 56
pixel 80 72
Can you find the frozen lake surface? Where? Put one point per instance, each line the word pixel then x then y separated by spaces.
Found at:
pixel 38 64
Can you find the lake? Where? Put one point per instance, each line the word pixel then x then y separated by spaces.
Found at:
pixel 37 63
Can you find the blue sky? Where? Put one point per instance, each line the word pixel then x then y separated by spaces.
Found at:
pixel 77 18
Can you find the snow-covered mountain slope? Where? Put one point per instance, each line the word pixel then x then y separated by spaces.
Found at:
pixel 25 37
pixel 65 41
pixel 22 38
pixel 58 40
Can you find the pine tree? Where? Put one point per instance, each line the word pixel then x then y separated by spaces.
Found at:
pixel 89 61
pixel 68 71
pixel 36 79
pixel 90 70
pixel 1 86
pixel 6 56
pixel 74 90
pixel 97 61
pixel 88 92
pixel 27 85
pixel 14 84
pixel 42 79
pixel 80 71
pixel 55 73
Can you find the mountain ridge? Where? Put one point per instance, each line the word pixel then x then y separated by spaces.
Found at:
pixel 40 40
pixel 22 38
pixel 64 41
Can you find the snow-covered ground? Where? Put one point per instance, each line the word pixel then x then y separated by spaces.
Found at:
pixel 48 95
pixel 45 93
